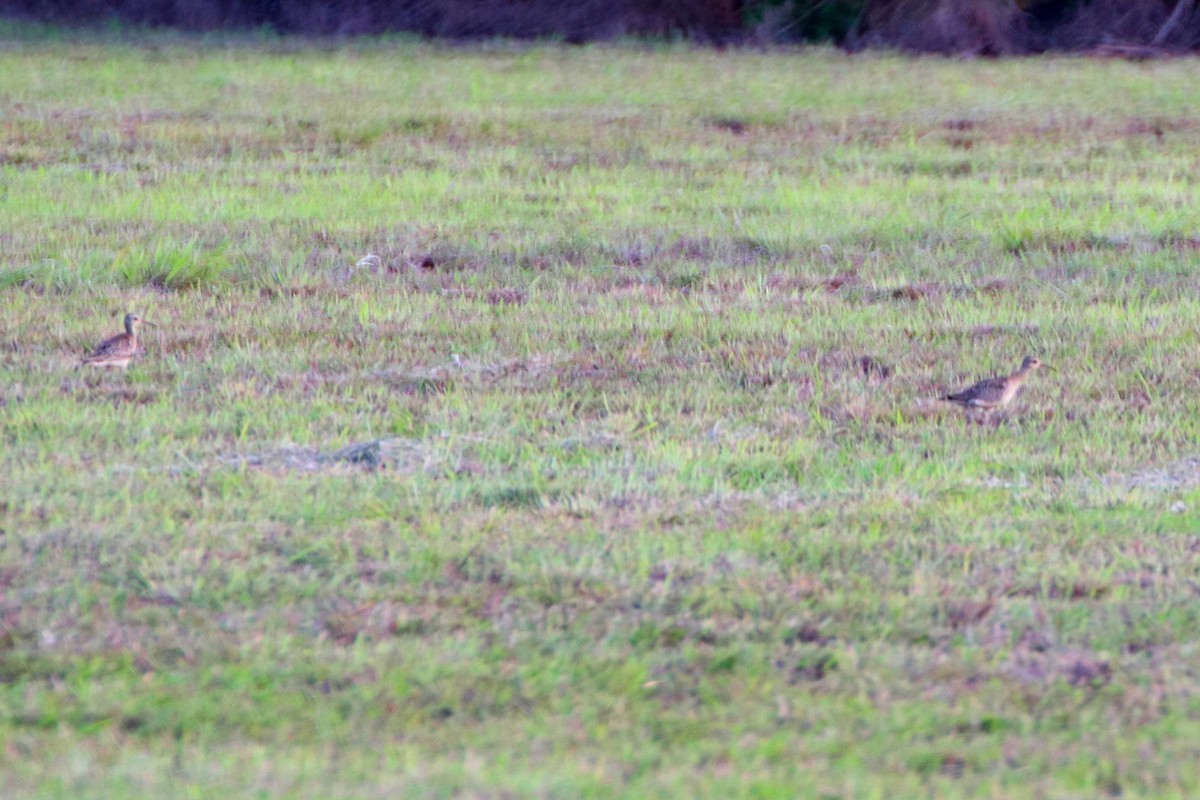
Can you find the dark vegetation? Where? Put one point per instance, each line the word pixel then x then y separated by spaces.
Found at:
pixel 1135 28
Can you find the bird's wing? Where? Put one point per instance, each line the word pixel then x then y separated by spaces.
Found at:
pixel 115 345
pixel 981 389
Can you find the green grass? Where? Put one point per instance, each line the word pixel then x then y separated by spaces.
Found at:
pixel 662 502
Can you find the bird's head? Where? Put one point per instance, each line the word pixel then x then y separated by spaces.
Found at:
pixel 133 320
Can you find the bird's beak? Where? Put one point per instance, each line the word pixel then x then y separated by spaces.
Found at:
pixel 148 322
pixel 1047 366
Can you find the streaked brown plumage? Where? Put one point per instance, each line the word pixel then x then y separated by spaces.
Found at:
pixel 118 350
pixel 996 392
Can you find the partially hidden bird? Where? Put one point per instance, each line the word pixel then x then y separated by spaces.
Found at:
pixel 118 350
pixel 994 393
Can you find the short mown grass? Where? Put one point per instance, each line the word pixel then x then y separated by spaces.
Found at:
pixel 528 421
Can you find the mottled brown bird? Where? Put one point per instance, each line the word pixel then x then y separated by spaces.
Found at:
pixel 996 392
pixel 117 351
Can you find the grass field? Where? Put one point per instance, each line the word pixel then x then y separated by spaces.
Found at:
pixel 618 470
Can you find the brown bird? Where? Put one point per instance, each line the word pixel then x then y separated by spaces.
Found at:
pixel 117 351
pixel 996 392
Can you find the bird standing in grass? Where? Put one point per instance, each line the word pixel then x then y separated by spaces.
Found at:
pixel 117 351
pixel 994 393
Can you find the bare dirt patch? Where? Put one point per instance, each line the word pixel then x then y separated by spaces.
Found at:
pixel 408 455
pixel 1180 475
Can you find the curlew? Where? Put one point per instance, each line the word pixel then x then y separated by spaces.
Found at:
pixel 118 350
pixel 994 393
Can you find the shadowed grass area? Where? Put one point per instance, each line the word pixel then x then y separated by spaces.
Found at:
pixel 563 422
